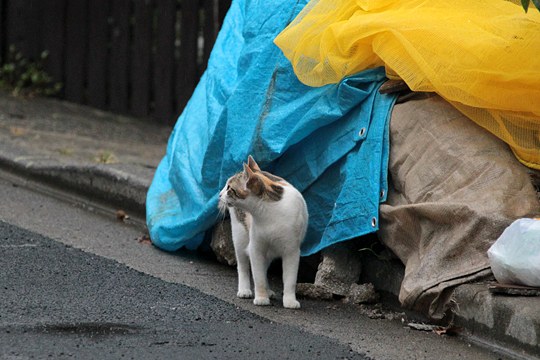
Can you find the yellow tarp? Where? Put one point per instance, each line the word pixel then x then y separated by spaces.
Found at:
pixel 482 56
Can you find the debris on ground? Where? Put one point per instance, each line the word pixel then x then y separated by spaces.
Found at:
pixel 312 291
pixel 106 157
pixel 362 294
pixel 450 330
pixel 17 131
pixel 377 311
pixel 423 327
pixel 121 215
pixel 144 239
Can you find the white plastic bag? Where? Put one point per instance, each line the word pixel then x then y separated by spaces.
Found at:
pixel 515 256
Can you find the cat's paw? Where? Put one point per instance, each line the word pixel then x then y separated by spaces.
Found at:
pixel 261 301
pixel 244 294
pixel 291 303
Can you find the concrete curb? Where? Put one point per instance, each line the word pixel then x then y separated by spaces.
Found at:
pixel 101 183
pixel 506 321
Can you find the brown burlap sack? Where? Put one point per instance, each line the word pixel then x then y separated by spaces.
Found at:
pixel 454 188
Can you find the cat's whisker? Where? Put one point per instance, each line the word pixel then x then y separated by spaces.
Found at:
pixel 222 209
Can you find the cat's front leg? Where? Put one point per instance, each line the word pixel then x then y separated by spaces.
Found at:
pixel 241 243
pixel 259 267
pixel 244 278
pixel 290 263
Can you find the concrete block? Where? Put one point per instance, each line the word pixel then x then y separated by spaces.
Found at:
pixel 222 243
pixel 363 294
pixel 385 273
pixel 312 291
pixel 339 269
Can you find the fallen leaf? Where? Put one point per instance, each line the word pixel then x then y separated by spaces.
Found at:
pixel 18 131
pixel 145 239
pixel 422 327
pixel 65 151
pixel 121 215
pixel 450 331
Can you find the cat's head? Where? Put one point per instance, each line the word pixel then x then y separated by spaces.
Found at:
pixel 249 186
pixel 233 191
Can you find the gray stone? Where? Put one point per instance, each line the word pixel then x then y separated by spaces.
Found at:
pixel 385 274
pixel 339 269
pixel 222 243
pixel 312 291
pixel 363 294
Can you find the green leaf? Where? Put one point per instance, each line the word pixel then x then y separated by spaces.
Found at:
pixel 26 77
pixel 9 68
pixel 525 4
pixel 537 4
pixel 36 78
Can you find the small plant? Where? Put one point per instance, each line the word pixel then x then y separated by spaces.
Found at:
pixel 105 157
pixel 526 3
pixel 376 250
pixel 23 77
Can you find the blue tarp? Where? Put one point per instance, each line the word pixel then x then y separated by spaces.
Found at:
pixel 330 142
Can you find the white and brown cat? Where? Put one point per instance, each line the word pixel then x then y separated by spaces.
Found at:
pixel 269 219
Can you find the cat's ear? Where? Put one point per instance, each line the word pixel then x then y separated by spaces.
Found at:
pixel 247 170
pixel 253 183
pixel 252 164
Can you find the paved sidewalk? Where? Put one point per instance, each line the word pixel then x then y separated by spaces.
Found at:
pixel 104 156
pixel 112 158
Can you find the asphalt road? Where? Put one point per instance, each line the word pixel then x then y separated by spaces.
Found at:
pixel 59 302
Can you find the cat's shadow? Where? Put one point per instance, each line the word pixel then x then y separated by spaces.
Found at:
pixel 306 271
